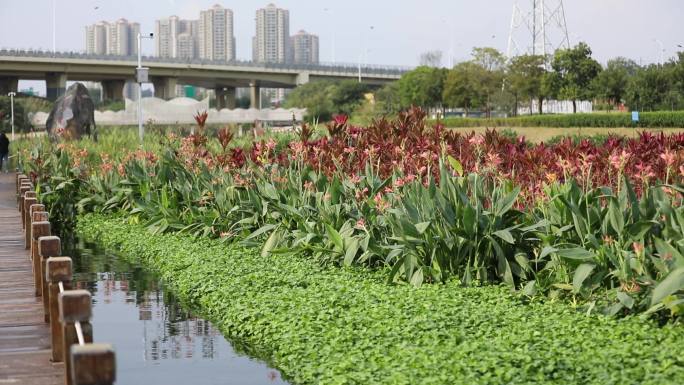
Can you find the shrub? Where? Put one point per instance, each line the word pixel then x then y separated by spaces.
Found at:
pixel 663 119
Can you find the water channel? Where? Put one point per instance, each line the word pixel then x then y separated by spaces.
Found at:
pixel 156 340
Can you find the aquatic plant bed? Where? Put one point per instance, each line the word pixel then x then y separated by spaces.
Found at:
pixel 322 325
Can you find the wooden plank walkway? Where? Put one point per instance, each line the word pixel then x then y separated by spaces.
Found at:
pixel 24 336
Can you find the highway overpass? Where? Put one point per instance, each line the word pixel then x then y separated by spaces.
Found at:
pixel 165 73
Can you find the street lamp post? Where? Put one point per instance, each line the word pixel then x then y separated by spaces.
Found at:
pixel 363 50
pixel 141 77
pixel 11 95
pixel 54 27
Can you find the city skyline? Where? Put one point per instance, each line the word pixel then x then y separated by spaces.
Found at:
pixel 628 28
pixel 212 37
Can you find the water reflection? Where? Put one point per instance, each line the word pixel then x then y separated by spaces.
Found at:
pixel 157 341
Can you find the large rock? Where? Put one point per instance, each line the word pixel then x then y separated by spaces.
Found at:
pixel 73 114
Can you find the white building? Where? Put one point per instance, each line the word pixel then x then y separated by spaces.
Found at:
pixel 173 35
pixel 96 38
pixel 186 47
pixel 272 39
pixel 216 40
pixel 118 38
pixel 122 38
pixel 304 48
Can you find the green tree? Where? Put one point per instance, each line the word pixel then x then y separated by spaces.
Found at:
pixel 490 76
pixel 388 100
pixel 489 58
pixel 315 97
pixel 347 95
pixel 525 79
pixel 462 88
pixel 573 72
pixel 611 83
pixel 22 121
pixel 678 72
pixel 422 87
pixel 650 88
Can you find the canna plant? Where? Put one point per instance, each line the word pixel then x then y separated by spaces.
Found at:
pixel 598 240
pixel 575 221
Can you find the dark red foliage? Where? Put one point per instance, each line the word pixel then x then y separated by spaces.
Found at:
pixel 337 126
pixel 201 119
pixel 225 137
pixel 408 146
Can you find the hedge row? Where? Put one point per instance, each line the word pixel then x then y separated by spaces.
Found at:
pixel 607 120
pixel 345 326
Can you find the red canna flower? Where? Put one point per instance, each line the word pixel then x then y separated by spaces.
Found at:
pixel 669 158
pixel 341 119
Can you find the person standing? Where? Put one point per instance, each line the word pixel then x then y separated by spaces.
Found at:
pixel 4 152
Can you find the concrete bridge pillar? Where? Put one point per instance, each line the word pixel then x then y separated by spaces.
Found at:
pixel 302 78
pixel 8 84
pixel 113 89
pixel 230 98
pixel 225 97
pixel 165 88
pixel 56 84
pixel 220 98
pixel 254 95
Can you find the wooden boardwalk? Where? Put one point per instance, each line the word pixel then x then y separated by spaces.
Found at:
pixel 24 336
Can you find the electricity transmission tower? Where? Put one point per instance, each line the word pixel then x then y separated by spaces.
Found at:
pixel 540 30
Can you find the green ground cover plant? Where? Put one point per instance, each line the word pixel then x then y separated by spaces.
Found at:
pixel 326 325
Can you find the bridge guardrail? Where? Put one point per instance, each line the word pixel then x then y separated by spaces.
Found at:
pixel 348 68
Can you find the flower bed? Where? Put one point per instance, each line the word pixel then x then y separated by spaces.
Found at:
pixel 587 223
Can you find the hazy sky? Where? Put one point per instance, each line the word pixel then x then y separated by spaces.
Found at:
pixel 402 29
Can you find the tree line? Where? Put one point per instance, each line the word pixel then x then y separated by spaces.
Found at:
pixel 489 82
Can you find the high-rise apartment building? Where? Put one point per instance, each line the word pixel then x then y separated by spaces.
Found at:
pixel 117 38
pixel 96 38
pixel 122 38
pixel 175 37
pixel 165 32
pixel 216 40
pixel 304 48
pixel 186 48
pixel 272 39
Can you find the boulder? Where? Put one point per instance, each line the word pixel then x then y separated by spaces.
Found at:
pixel 73 114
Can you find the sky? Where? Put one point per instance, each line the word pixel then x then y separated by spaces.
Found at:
pixel 390 32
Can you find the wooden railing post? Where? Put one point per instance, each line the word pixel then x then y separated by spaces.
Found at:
pixel 35 208
pixel 49 246
pixel 32 209
pixel 20 179
pixel 27 219
pixel 38 229
pixel 93 364
pixel 58 269
pixel 24 183
pixel 20 201
pixel 74 306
